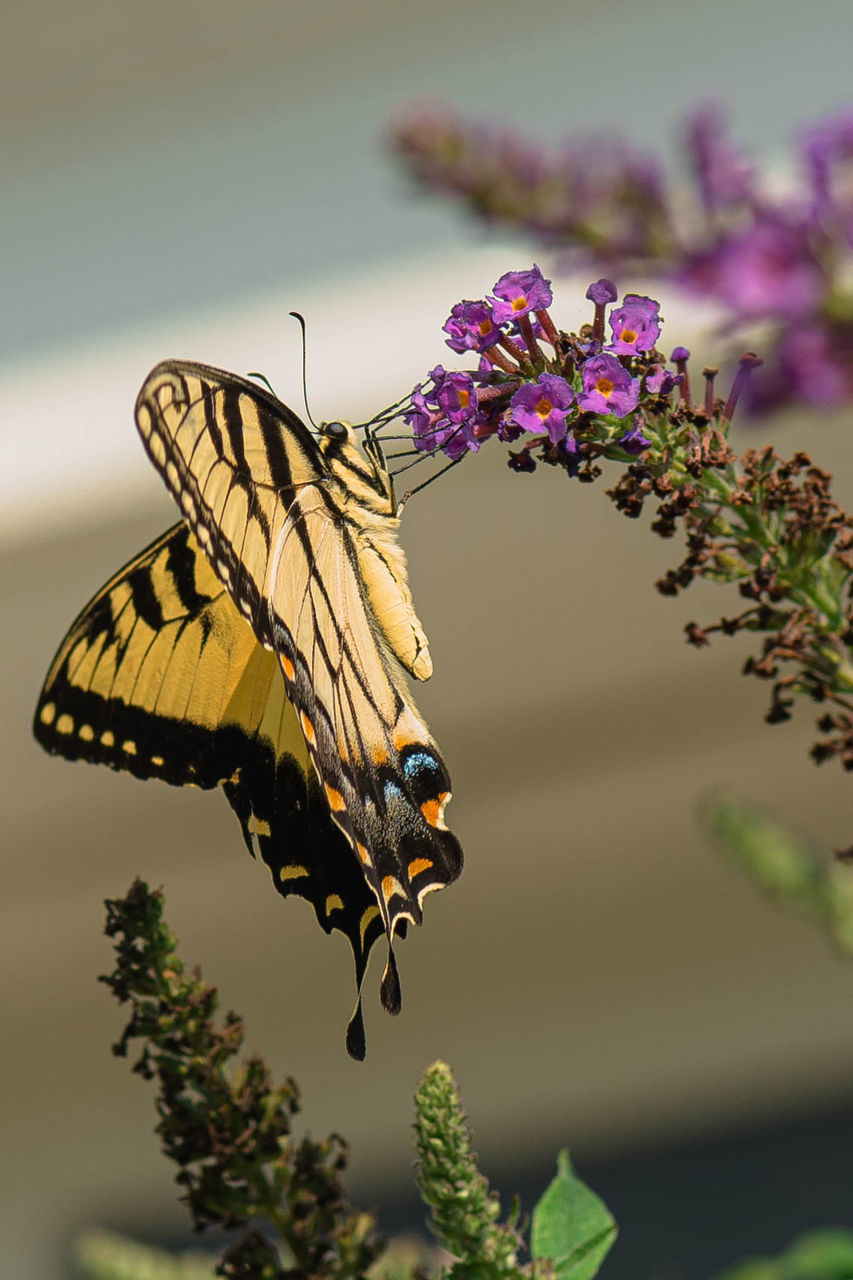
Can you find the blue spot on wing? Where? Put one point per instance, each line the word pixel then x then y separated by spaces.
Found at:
pixel 419 762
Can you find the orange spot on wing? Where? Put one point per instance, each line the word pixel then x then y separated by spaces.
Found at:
pixel 433 810
pixel 287 666
pixel 336 801
pixel 308 730
pixel 417 865
pixel 363 854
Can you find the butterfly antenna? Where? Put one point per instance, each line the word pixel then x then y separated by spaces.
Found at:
pixel 296 315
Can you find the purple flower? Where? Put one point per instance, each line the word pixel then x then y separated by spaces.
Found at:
pixel 635 324
pixel 605 182
pixel 429 430
pixel 608 387
pixel 823 146
pixel 459 441
pixel 812 367
pixel 543 405
pixel 634 441
pixel 659 380
pixel 435 432
pixel 601 292
pixel 520 292
pixel 508 430
pixel 471 326
pixel 723 173
pixel 444 417
pixel 767 270
pixel 455 394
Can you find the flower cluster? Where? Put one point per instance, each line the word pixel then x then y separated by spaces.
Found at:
pixel 781 261
pixel 768 526
pixel 573 395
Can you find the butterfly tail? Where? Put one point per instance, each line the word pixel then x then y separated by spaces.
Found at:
pixel 389 989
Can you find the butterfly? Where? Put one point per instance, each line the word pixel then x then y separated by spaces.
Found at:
pixel 259 645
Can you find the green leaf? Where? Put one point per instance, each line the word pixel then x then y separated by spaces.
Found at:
pixel 571 1226
pixel 771 856
pixel 819 1255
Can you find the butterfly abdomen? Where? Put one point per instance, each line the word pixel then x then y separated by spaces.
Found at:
pixel 382 565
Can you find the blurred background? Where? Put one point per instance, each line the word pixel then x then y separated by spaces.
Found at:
pixel 176 178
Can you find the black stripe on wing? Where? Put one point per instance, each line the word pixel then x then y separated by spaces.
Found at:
pixel 281 810
pixel 233 456
pixel 391 812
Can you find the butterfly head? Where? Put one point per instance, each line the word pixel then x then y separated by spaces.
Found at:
pixel 337 442
pixel 358 464
pixel 335 433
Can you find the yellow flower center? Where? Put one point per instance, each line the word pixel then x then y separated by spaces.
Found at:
pixel 605 386
pixel 629 335
pixel 464 397
pixel 518 304
pixel 543 408
pixel 484 326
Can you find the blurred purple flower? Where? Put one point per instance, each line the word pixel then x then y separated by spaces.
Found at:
pixel 723 173
pixel 608 387
pixel 814 370
pixel 519 292
pixel 767 271
pixel 612 193
pixel 635 325
pixel 824 146
pixel 543 405
pixel 781 259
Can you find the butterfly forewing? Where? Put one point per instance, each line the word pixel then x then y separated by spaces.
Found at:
pixel 234 457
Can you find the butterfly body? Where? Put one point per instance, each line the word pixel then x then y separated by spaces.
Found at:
pixel 258 646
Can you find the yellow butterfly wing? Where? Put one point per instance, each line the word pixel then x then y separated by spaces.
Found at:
pixel 384 780
pixel 300 534
pixel 161 677
pixel 234 457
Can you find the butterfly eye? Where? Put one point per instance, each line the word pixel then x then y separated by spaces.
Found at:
pixel 336 431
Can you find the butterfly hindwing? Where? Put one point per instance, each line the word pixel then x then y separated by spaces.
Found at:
pixel 384 780
pixel 161 677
